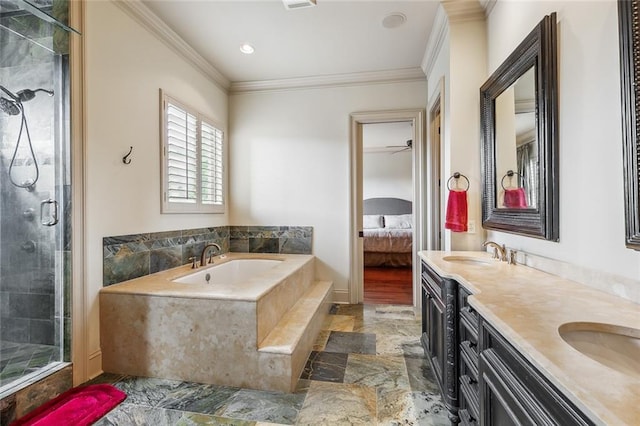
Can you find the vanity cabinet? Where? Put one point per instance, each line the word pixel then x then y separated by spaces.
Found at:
pixel 483 379
pixel 440 334
pixel 513 392
pixel 468 320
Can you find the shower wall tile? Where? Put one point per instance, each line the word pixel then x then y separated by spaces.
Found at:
pixel 135 255
pixel 42 332
pixel 15 330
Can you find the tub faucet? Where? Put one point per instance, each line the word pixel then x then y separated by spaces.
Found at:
pixel 203 256
pixel 499 251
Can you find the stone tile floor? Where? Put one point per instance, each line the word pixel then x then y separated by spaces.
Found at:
pixel 367 368
pixel 20 359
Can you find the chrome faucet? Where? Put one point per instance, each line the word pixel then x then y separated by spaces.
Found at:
pixel 499 251
pixel 203 256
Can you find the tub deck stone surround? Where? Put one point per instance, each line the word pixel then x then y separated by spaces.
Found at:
pixel 126 257
pixel 258 336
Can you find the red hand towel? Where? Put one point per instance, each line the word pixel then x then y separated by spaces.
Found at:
pixel 515 198
pixel 456 219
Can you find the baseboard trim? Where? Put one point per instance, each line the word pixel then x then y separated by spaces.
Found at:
pixel 340 296
pixel 94 364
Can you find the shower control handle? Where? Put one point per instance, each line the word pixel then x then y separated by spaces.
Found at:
pixel 53 209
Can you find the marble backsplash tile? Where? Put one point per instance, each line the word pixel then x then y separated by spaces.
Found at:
pixel 271 239
pixel 616 285
pixel 131 256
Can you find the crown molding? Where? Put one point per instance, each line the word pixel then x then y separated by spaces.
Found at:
pixel 335 80
pixel 436 40
pixel 464 10
pixel 149 20
pixel 488 6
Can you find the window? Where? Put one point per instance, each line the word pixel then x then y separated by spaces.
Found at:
pixel 192 161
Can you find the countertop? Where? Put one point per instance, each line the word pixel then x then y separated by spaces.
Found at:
pixel 527 306
pixel 162 284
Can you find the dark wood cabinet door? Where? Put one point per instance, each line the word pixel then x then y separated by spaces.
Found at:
pixel 499 406
pixel 435 324
pixel 513 391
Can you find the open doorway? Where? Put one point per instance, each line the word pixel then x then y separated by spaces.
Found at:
pixel 415 119
pixel 387 189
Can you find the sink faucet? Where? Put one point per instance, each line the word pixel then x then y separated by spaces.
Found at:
pixel 499 251
pixel 203 256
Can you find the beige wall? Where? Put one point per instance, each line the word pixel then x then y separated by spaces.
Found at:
pixel 125 68
pixel 290 162
pixel 461 65
pixel 591 191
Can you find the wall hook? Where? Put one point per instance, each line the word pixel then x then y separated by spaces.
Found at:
pixel 126 159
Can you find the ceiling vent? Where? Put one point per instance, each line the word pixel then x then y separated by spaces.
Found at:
pixel 298 4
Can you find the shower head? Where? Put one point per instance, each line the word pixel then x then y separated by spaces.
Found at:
pixel 25 95
pixel 10 94
pixel 13 104
pixel 9 106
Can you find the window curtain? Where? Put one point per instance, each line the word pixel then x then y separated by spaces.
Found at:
pixel 528 169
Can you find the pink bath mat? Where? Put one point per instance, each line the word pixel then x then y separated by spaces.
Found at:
pixel 80 406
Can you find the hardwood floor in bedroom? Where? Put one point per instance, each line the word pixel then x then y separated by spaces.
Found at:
pixel 388 286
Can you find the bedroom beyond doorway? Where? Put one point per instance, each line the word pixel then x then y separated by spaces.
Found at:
pixel 388 286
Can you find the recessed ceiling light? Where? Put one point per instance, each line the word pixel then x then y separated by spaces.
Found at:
pixel 394 20
pixel 247 49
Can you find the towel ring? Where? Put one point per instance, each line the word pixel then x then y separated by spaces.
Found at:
pixel 509 173
pixel 456 176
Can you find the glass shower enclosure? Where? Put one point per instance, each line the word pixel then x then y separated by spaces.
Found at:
pixel 35 191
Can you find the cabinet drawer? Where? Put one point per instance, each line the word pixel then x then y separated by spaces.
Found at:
pixel 433 282
pixel 469 322
pixel 469 357
pixel 469 390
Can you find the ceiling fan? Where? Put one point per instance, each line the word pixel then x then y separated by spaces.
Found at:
pixel 407 146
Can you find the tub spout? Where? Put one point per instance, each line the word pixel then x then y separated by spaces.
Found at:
pixel 203 256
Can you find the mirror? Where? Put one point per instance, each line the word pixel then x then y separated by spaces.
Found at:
pixel 517 144
pixel 518 115
pixel 629 67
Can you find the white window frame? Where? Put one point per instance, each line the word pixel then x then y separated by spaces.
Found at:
pixel 197 206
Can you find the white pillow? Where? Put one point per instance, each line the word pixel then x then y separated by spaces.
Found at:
pixel 372 221
pixel 399 221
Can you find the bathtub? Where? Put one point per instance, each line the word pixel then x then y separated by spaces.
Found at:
pixel 229 273
pixel 174 325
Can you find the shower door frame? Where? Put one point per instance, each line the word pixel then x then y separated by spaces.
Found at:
pixel 75 144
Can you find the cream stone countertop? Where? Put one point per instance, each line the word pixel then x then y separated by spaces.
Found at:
pixel 527 306
pixel 161 284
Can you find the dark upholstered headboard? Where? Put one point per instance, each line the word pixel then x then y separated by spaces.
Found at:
pixel 386 206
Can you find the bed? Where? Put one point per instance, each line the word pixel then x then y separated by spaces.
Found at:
pixel 387 232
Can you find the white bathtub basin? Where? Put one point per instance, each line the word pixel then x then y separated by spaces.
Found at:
pixel 230 273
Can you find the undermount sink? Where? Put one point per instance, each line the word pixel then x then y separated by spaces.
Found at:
pixel 469 260
pixel 613 346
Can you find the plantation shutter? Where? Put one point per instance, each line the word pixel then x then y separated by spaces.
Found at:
pixel 211 177
pixel 182 155
pixel 193 160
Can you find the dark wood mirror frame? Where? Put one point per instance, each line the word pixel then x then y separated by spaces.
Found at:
pixel 628 12
pixel 539 50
